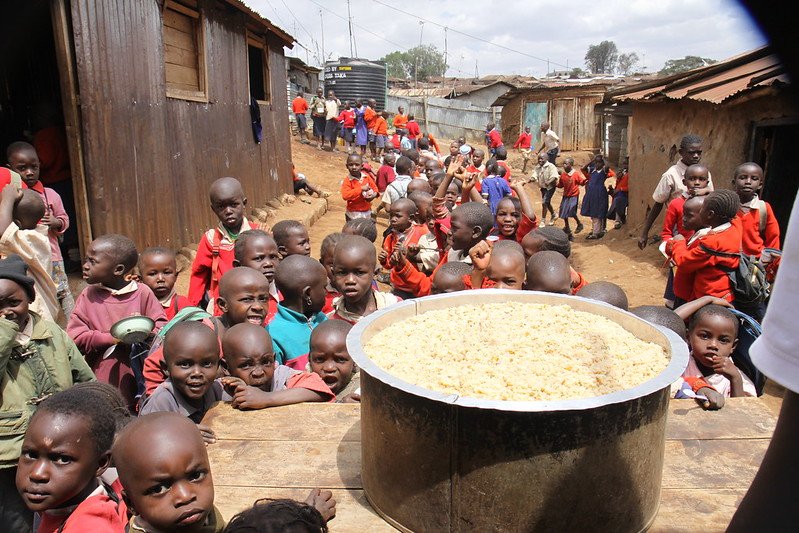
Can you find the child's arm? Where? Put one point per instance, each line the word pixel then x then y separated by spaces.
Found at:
pixel 247 397
pixel 687 259
pixel 200 277
pixel 8 197
pixel 79 329
pixel 409 274
pixel 480 254
pixel 771 237
pixel 669 221
pixel 726 367
pixel 8 333
pixel 56 218
pixel 687 309
pixel 524 199
pixel 350 190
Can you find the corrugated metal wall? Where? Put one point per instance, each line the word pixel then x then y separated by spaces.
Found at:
pixel 149 159
pixel 447 119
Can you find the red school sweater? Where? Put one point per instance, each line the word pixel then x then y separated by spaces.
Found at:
pixel 351 192
pixel 411 236
pixel 673 219
pixel 701 271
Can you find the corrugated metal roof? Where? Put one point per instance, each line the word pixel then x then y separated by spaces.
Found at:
pixel 713 83
pixel 282 34
pixel 598 84
pixel 441 92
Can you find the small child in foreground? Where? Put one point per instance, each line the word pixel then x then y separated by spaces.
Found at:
pixel 605 291
pixel 109 298
pixel 67 447
pixel 158 270
pixel 292 238
pixel 548 271
pixel 354 264
pixel 166 476
pixel 256 381
pixel 711 372
pixel 405 233
pixel 330 359
pixel 191 366
pixel 258 250
pixel 302 282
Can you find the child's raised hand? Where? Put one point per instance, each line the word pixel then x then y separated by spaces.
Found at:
pixel 517 184
pixel 397 258
pixel 209 437
pixel 480 254
pixel 353 397
pixel 470 181
pixel 714 400
pixel 322 501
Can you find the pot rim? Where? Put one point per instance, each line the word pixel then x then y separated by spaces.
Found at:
pixel 677 346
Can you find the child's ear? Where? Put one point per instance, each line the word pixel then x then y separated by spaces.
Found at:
pixel 244 201
pixel 221 303
pixel 282 251
pixel 164 368
pixel 477 231
pixel 734 345
pixel 103 463
pixel 236 263
pixel 119 270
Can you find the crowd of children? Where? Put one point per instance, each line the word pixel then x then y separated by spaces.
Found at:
pixel 264 324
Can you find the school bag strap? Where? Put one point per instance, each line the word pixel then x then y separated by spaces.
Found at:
pixel 763 212
pixel 216 243
pixel 748 279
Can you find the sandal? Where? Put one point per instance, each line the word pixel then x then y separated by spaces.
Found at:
pixel 617 225
pixel 591 237
pixel 579 228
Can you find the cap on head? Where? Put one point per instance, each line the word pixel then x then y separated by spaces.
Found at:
pixel 15 269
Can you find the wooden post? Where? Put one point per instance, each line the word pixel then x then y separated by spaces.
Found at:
pixel 70 102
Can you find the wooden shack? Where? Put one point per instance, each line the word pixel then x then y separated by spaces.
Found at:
pixel 155 97
pixel 742 109
pixel 567 106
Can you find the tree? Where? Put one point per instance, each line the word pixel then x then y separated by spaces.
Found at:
pixel 602 58
pixel 420 62
pixel 577 73
pixel 674 66
pixel 627 63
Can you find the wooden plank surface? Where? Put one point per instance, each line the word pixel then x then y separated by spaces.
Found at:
pixel 740 418
pixel 710 460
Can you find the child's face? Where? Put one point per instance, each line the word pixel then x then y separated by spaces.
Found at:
pixel 229 209
pixel 399 218
pixel 461 235
pixel 353 273
pixel 261 253
pixel 424 213
pixel 477 158
pixel 59 462
pixel 452 193
pixel 506 271
pixel 297 243
pixel 193 366
pixel 453 148
pixel 159 272
pixel 253 363
pixel 691 154
pixel 330 359
pixel 712 338
pixel 568 165
pixel 100 265
pixel 695 179
pixel 507 217
pixel 172 489
pixel 430 167
pixel 354 166
pixel 542 158
pixel 14 302
pixel 247 302
pixel 691 215
pixel 326 258
pixel 26 164
pixel 748 180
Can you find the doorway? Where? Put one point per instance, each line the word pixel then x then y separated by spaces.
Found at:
pixel 773 145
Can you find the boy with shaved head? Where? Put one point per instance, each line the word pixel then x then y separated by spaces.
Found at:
pixel 303 283
pixel 215 252
pixel 548 271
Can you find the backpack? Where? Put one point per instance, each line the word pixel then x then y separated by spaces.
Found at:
pixel 748 280
pixel 748 331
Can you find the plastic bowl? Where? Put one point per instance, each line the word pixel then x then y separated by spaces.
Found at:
pixel 133 329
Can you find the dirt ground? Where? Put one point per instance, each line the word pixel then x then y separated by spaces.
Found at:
pixel 614 258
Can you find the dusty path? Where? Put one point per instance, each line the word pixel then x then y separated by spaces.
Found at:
pixel 614 258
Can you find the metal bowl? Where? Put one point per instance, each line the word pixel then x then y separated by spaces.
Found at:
pixel 433 461
pixel 133 329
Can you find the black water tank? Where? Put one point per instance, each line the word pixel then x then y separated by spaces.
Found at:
pixel 353 78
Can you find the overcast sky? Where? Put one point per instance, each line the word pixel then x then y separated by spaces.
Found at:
pixel 561 32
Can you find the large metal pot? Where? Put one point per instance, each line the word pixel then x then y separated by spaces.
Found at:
pixel 440 462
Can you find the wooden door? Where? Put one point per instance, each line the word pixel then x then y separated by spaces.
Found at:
pixel 563 122
pixel 588 135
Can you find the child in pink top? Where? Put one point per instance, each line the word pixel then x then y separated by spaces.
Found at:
pixel 109 298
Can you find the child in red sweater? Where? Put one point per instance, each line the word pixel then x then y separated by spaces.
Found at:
pixel 694 257
pixel 696 179
pixel 158 270
pixel 405 232
pixel 67 447
pixel 215 251
pixel 358 189
pixel 570 181
pixel 759 226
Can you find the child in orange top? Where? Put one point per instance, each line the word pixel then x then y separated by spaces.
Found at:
pixel 696 178
pixel 158 270
pixel 570 181
pixel 215 251
pixel 256 381
pixel 759 226
pixel 381 133
pixel 720 233
pixel 404 232
pixel 358 189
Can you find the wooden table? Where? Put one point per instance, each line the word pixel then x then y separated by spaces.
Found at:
pixel 283 452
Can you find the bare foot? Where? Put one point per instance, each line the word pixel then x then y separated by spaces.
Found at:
pixel 322 501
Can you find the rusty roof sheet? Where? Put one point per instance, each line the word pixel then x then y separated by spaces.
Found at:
pixel 283 35
pixel 712 83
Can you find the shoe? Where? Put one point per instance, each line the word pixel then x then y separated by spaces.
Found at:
pixel 600 235
pixel 552 221
pixel 590 237
pixel 617 225
pixel 570 236
pixel 579 228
